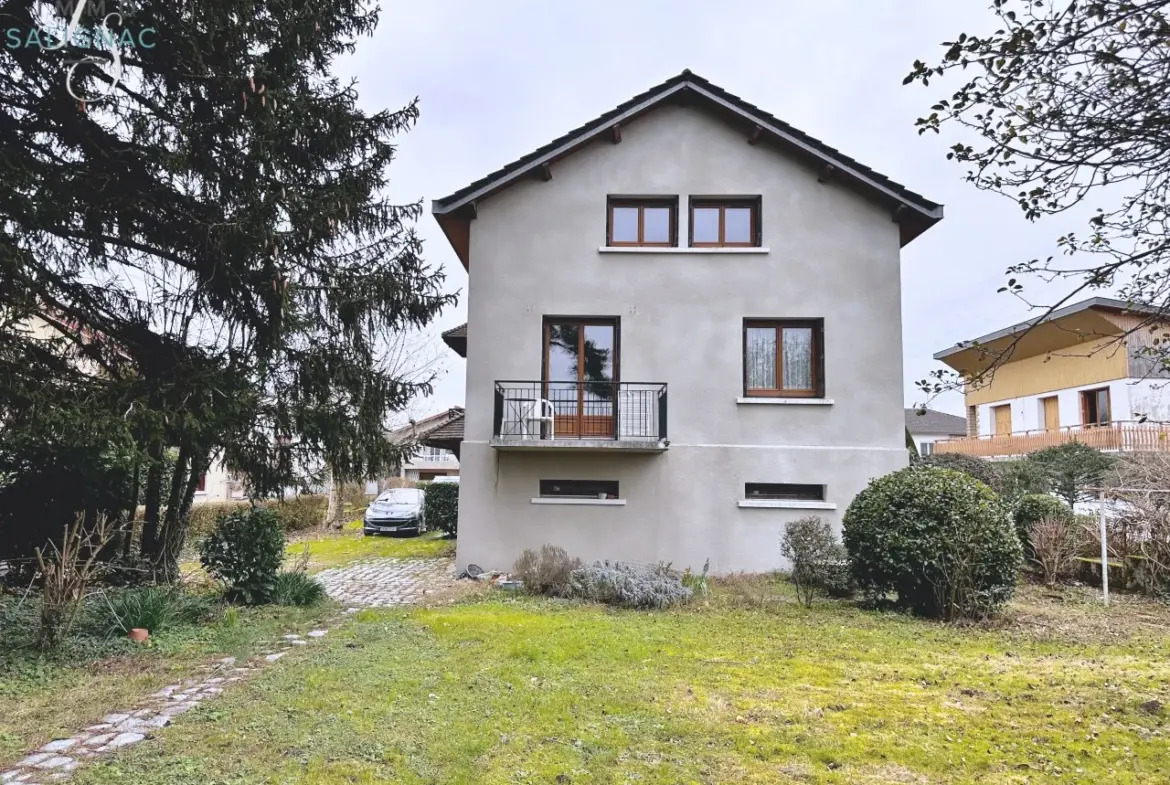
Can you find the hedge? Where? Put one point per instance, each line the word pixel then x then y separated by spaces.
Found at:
pixel 295 514
pixel 441 507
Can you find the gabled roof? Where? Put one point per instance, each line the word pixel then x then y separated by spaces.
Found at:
pixel 456 338
pixel 424 429
pixel 914 212
pixel 452 431
pixel 928 421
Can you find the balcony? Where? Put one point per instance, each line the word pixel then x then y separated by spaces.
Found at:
pixel 590 415
pixel 1114 437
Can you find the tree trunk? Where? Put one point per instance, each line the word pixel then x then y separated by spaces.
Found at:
pixel 334 508
pixel 164 556
pixel 175 531
pixel 132 508
pixel 149 542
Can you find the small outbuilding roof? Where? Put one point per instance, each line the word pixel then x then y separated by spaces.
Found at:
pixel 931 422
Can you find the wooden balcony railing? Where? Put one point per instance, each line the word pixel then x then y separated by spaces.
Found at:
pixel 1116 437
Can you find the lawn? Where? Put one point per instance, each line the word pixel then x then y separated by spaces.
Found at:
pixel 744 687
pixel 334 549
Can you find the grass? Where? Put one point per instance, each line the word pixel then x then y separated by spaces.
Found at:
pixel 46 697
pixel 333 549
pixel 745 687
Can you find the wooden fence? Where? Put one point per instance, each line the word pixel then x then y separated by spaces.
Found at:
pixel 1114 437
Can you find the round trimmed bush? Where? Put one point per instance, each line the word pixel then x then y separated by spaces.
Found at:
pixel 981 470
pixel 938 538
pixel 1036 506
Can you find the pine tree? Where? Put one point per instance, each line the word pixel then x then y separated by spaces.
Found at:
pixel 210 224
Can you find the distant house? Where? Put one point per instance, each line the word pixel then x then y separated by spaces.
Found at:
pixel 684 333
pixel 928 426
pixel 438 437
pixel 1077 374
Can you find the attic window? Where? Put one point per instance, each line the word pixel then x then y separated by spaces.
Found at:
pixel 642 222
pixel 725 222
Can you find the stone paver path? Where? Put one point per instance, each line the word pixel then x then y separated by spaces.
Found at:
pixel 379 583
pixel 56 760
pixel 369 584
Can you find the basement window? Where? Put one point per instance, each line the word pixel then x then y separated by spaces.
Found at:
pixel 578 489
pixel 781 491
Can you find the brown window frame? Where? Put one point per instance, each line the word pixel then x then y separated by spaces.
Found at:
pixel 818 359
pixel 783 491
pixel 201 485
pixel 547 489
pixel 641 203
pixel 1085 407
pixel 722 203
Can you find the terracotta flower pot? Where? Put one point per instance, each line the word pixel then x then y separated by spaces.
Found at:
pixel 138 634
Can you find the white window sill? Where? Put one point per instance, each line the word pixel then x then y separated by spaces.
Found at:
pixel 583 502
pixel 786 504
pixel 787 401
pixel 680 249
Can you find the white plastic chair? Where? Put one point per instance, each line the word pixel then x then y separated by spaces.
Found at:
pixel 536 413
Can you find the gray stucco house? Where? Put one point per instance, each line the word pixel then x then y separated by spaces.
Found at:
pixel 684 331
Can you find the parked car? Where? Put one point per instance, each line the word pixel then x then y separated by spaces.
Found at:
pixel 396 511
pixel 447 478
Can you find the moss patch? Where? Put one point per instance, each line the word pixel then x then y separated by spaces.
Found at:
pixel 332 549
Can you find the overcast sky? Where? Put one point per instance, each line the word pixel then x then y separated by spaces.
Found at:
pixel 499 79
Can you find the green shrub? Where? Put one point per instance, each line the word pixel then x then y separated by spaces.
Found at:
pixel 1072 467
pixel 1017 479
pixel 1035 507
pixel 817 559
pixel 546 571
pixel 981 470
pixel 628 585
pixel 154 608
pixel 244 553
pixel 441 507
pixel 297 588
pixel 937 538
pixel 698 582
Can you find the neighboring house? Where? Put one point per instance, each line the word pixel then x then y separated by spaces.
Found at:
pixel 438 437
pixel 926 426
pixel 218 485
pixel 1075 375
pixel 684 332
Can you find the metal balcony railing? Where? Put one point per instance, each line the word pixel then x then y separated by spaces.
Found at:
pixel 580 410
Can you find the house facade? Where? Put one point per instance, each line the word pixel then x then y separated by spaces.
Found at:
pixel 684 332
pixel 1081 373
pixel 927 427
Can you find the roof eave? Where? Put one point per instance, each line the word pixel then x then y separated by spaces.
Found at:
pixel 1102 303
pixel 923 212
